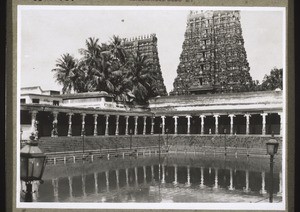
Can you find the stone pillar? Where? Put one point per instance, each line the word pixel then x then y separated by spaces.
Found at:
pixel 281 123
pixel 70 187
pixel 107 180
pixel 175 175
pixel 188 183
pixel 202 123
pixel 202 178
pixel 70 124
pixel 117 125
pixel 216 123
pixel 231 188
pixel 246 188
pixel 247 123
pixel 263 183
pixel 83 123
pixel 231 123
pixel 95 124
pixel 175 124
pixel 126 125
pixel 188 124
pixel 152 125
pixel 33 121
pixel 163 124
pixel 106 124
pixel 216 179
pixel 264 115
pixel 145 125
pixel 96 182
pixel 54 132
pixel 136 125
pixel 163 174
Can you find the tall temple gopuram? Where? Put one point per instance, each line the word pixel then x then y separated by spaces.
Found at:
pixel 147 45
pixel 213 57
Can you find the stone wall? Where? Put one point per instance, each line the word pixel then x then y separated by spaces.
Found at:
pixel 206 144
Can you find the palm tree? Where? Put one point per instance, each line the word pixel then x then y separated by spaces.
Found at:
pixel 100 76
pixel 68 75
pixel 92 52
pixel 97 63
pixel 140 76
pixel 117 49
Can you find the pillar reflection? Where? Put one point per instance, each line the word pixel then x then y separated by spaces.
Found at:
pixel 136 176
pixel 246 188
pixel 35 189
pixel 280 184
pixel 145 174
pixel 202 178
pixel 263 190
pixel 107 180
pixel 55 189
pixel 188 183
pixel 231 188
pixel 152 173
pixel 83 185
pixel 216 186
pixel 175 175
pixel 96 182
pixel 117 179
pixel 70 179
pixel 163 174
pixel 126 176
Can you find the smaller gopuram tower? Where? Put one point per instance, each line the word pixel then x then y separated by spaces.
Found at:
pixel 147 45
pixel 213 57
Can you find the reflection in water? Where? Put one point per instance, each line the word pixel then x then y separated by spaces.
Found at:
pixel 188 179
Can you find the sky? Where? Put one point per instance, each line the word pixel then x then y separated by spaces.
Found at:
pixel 45 33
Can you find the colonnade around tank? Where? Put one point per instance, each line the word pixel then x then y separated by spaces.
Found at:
pixel 54 123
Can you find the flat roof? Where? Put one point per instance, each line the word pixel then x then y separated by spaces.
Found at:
pixel 86 95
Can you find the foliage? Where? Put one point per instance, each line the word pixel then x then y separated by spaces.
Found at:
pixel 128 76
pixel 272 81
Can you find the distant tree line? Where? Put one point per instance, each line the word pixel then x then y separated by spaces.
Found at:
pixel 108 67
pixel 270 82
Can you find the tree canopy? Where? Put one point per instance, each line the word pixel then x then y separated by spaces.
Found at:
pixel 127 75
pixel 272 81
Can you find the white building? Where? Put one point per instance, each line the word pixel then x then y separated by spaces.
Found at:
pixel 35 95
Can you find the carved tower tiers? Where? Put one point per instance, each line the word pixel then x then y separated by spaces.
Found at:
pixel 147 45
pixel 213 57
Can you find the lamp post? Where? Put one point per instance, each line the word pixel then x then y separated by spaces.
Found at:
pixel 272 147
pixel 33 162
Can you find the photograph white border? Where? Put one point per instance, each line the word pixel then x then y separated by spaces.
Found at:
pixel 178 206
